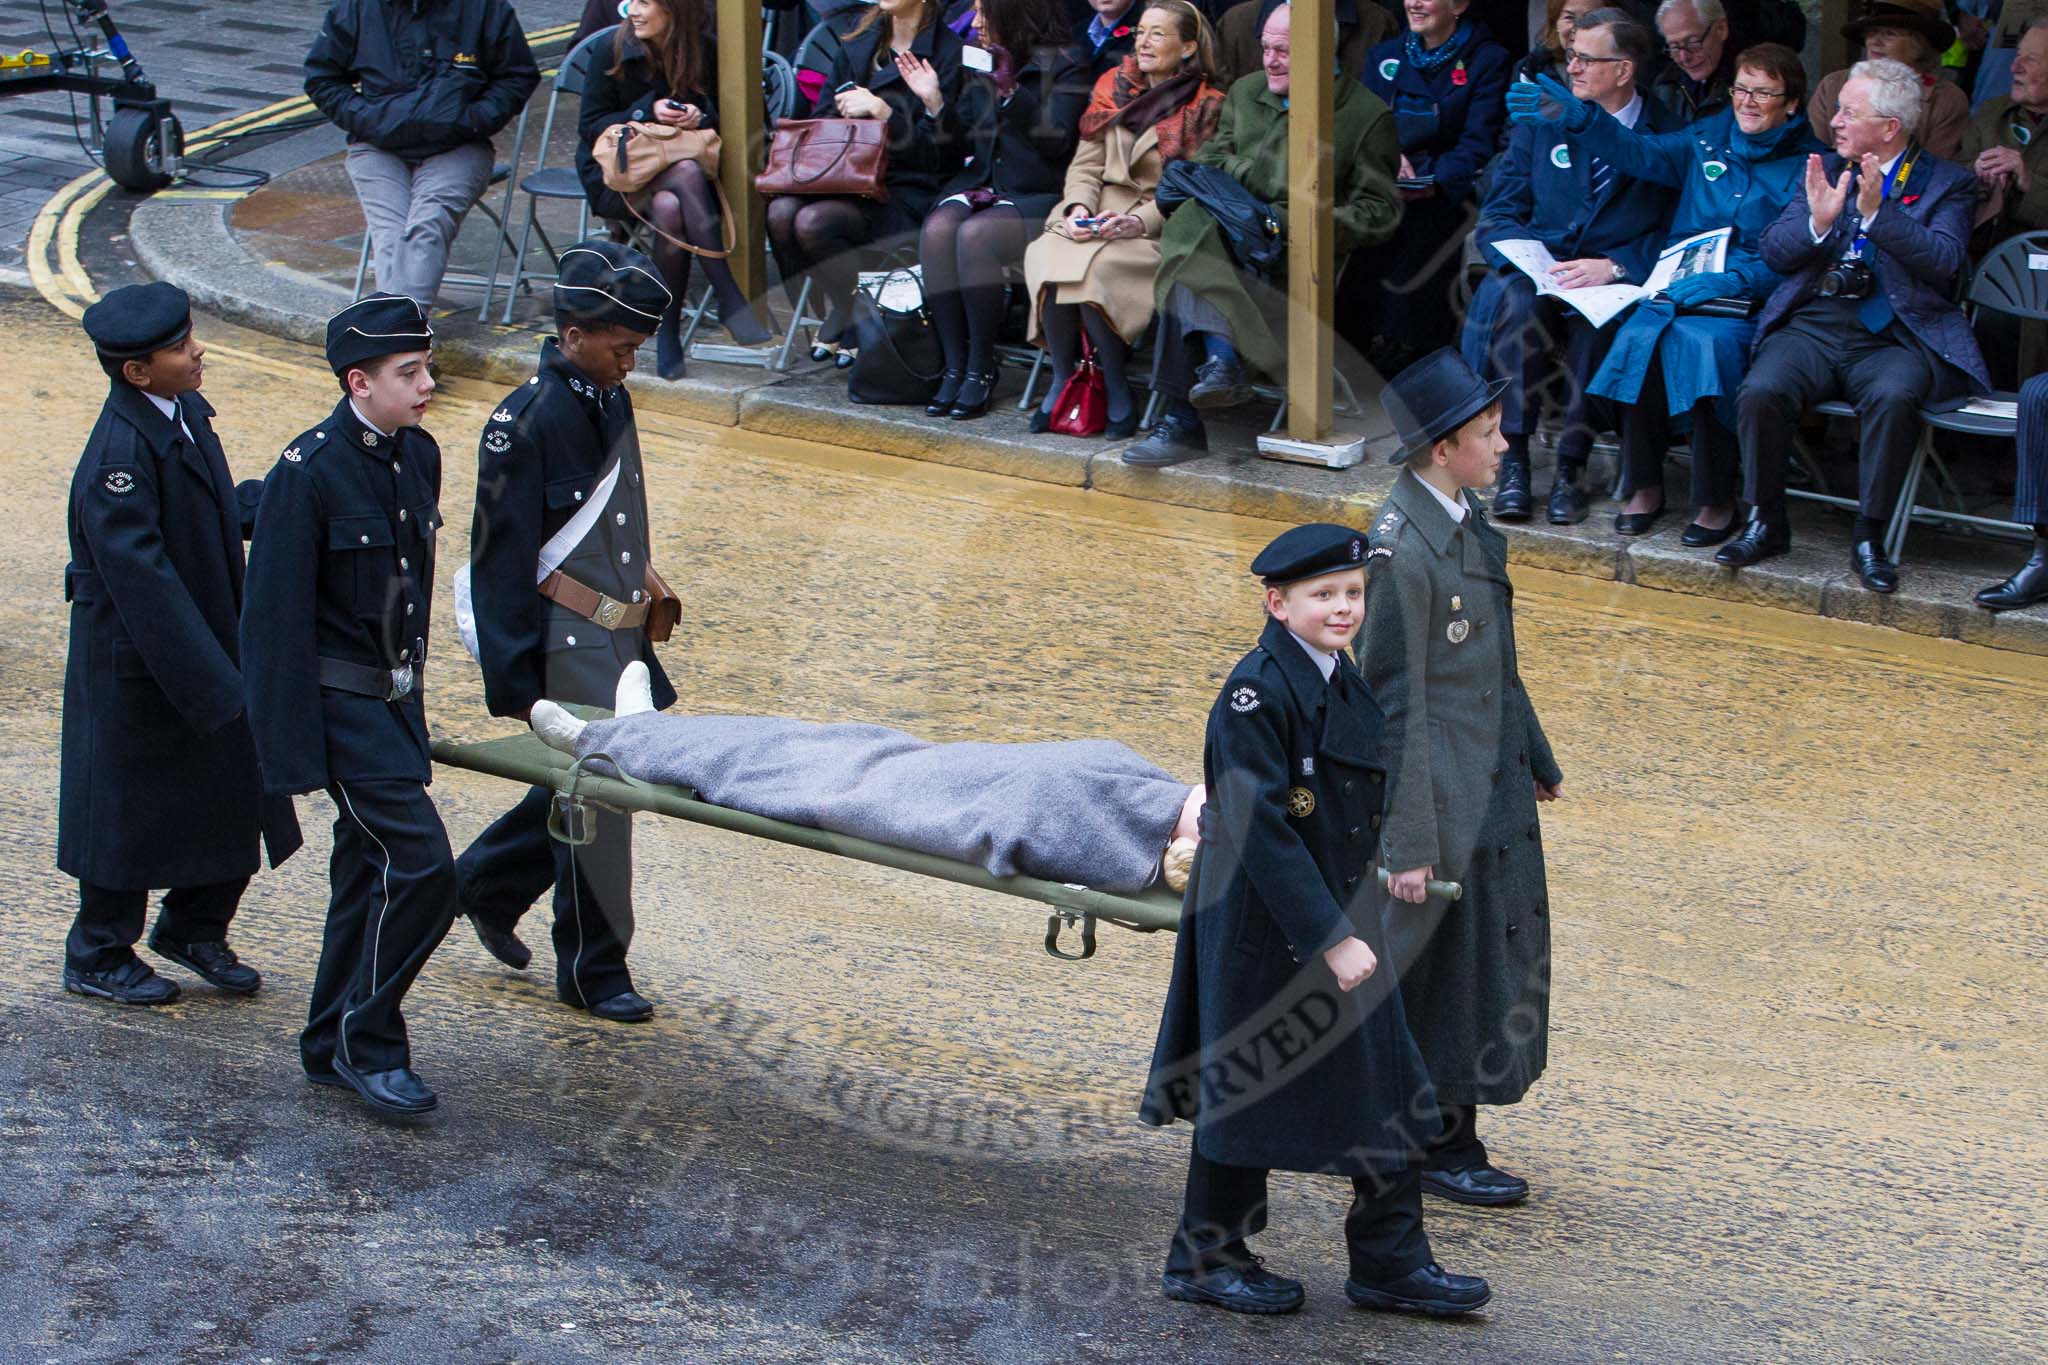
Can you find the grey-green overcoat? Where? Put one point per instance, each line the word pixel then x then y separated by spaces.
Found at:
pixel 1462 743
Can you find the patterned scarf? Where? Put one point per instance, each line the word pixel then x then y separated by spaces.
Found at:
pixel 1422 59
pixel 1184 110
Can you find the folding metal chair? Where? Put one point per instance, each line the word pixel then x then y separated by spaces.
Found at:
pixel 461 279
pixel 545 181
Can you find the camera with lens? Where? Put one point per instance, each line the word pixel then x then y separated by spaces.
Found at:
pixel 1848 280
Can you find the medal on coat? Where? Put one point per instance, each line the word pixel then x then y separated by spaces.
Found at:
pixel 1457 630
pixel 1301 802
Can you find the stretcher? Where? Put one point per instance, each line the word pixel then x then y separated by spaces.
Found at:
pixel 525 758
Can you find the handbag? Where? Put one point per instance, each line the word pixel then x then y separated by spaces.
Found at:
pixel 1082 409
pixel 1249 229
pixel 632 156
pixel 828 156
pixel 899 358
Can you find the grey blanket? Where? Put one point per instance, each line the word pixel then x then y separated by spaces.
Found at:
pixel 1088 811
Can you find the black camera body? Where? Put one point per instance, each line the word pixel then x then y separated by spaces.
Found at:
pixel 1848 280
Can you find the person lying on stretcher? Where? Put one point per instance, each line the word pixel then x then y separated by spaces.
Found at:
pixel 1086 811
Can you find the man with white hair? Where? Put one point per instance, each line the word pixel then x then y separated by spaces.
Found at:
pixel 1695 34
pixel 1871 248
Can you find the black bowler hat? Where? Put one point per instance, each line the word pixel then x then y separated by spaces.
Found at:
pixel 611 284
pixel 1433 398
pixel 371 328
pixel 1306 551
pixel 1928 18
pixel 137 320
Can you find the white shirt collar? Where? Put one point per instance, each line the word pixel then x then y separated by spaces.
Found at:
pixel 1894 161
pixel 1325 661
pixel 366 421
pixel 1631 111
pixel 1455 506
pixel 169 408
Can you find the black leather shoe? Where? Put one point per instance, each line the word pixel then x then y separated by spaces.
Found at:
pixel 949 389
pixel 131 983
pixel 822 351
pixel 1041 421
pixel 1219 384
pixel 214 962
pixel 669 361
pixel 1174 440
pixel 396 1092
pixel 1483 1185
pixel 1878 573
pixel 1511 490
pixel 845 358
pixel 2023 589
pixel 1761 537
pixel 1567 503
pixel 1431 1290
pixel 1249 1289
pixel 977 391
pixel 623 1008
pixel 1123 428
pixel 1633 523
pixel 1698 537
pixel 502 944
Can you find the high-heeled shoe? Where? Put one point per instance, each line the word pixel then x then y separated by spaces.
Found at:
pixel 844 360
pixel 669 361
pixel 1122 428
pixel 977 391
pixel 949 389
pixel 1041 421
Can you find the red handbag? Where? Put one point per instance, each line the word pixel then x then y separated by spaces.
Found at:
pixel 1082 409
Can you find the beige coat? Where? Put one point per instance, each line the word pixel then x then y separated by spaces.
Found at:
pixel 1115 173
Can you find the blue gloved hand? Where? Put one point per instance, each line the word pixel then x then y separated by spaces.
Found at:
pixel 1527 101
pixel 1699 288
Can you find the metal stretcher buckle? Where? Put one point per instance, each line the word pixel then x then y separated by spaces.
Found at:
pixel 1059 918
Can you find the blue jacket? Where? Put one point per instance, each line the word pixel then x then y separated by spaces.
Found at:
pixel 1918 248
pixel 1542 188
pixel 1723 179
pixel 1449 120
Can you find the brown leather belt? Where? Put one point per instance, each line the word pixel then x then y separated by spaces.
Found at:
pixel 592 605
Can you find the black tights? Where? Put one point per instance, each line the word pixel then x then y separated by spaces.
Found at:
pixel 821 238
pixel 966 255
pixel 682 204
pixel 1061 324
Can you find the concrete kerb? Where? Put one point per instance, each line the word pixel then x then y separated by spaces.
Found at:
pixel 190 243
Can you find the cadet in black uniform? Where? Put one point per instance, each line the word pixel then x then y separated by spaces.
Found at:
pixel 1283 1039
pixel 560 590
pixel 158 781
pixel 341 570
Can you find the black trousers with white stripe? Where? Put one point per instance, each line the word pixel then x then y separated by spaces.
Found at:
pixel 393 879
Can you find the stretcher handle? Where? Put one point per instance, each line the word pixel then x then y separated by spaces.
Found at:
pixel 1449 891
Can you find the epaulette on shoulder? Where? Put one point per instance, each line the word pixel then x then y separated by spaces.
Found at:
pixel 1385 534
pixel 515 403
pixel 305 446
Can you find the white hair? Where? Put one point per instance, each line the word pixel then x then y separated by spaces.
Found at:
pixel 1710 12
pixel 1896 91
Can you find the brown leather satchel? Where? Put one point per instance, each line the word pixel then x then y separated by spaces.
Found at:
pixel 828 156
pixel 664 608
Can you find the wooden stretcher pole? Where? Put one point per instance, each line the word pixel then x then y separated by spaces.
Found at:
pixel 1311 256
pixel 741 129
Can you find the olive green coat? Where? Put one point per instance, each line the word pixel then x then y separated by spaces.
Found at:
pixel 1251 145
pixel 2000 124
pixel 1462 743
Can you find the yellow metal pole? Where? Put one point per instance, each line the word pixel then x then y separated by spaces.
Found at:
pixel 1311 257
pixel 742 132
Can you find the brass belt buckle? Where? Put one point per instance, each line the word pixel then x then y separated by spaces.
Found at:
pixel 610 611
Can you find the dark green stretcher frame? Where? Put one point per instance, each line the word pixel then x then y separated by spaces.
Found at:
pixel 526 759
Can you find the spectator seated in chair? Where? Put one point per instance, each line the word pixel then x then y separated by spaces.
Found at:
pixel 664 66
pixel 1601 223
pixel 2008 146
pixel 2030 500
pixel 1093 268
pixel 1446 81
pixel 1361 26
pixel 1873 247
pixel 1108 34
pixel 420 90
pixel 1560 22
pixel 1020 122
pixel 1218 320
pixel 1915 32
pixel 1702 67
pixel 1736 169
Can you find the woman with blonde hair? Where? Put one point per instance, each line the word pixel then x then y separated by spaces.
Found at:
pixel 1092 270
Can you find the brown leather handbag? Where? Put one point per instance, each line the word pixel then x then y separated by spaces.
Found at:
pixel 828 156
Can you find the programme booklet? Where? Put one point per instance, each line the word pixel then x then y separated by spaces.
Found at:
pixel 1703 253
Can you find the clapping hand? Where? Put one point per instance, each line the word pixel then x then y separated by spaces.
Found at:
pixel 1824 198
pixel 2003 165
pixel 1870 187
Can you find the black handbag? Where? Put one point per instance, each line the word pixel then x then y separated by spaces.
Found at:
pixel 899 358
pixel 1249 228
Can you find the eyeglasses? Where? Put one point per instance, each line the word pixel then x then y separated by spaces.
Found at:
pixel 1746 95
pixel 1687 47
pixel 1576 58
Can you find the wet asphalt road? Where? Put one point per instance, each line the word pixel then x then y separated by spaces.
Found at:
pixel 1792 1111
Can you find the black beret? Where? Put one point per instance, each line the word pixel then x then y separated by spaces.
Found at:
pixel 1307 551
pixel 609 283
pixel 380 325
pixel 138 320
